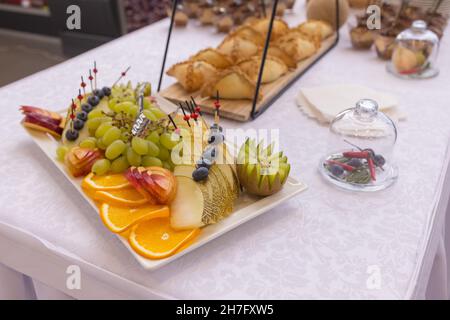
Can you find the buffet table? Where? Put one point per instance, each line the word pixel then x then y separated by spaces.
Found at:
pixel 323 244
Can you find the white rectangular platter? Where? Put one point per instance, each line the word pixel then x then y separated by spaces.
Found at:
pixel 246 207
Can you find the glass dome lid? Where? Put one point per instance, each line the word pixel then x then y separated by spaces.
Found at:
pixel 415 53
pixel 359 154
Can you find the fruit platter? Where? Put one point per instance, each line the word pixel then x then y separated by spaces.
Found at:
pixel 159 176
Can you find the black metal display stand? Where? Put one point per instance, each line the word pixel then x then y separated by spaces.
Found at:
pixel 255 113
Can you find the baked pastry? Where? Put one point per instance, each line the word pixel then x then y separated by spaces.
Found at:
pixel 192 9
pixel 274 68
pixel 236 48
pixel 181 19
pixel 225 24
pixel 248 33
pixel 207 17
pixel 316 28
pixel 298 45
pixel 232 83
pixel 385 44
pixel 361 37
pixel 275 51
pixel 213 57
pixel 192 75
pixel 279 27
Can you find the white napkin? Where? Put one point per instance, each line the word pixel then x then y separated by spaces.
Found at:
pixel 325 102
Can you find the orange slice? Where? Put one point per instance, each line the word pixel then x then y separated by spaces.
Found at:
pixel 119 219
pixel 122 197
pixel 102 183
pixel 155 239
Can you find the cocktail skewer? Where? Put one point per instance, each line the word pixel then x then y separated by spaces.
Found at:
pixel 217 107
pixel 198 110
pixel 192 111
pixel 90 80
pixel 72 114
pixel 123 74
pixel 95 70
pixel 83 85
pixel 173 122
pixel 196 106
pixel 185 116
pixel 80 96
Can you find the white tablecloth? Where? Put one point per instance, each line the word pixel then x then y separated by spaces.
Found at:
pixel 325 243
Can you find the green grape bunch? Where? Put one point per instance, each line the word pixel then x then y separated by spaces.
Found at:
pixel 110 129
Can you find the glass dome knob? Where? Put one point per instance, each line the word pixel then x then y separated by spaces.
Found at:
pixel 366 109
pixel 419 25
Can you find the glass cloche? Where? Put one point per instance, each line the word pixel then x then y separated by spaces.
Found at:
pixel 415 52
pixel 360 149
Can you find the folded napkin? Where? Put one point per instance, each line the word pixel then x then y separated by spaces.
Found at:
pixel 325 102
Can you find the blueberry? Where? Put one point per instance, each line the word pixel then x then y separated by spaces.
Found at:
pixel 86 107
pixel 379 160
pixel 106 91
pixel 336 170
pixel 78 124
pixel 200 174
pixel 216 138
pixel 82 115
pixel 99 93
pixel 356 163
pixel 93 100
pixel 216 127
pixel 207 163
pixel 72 135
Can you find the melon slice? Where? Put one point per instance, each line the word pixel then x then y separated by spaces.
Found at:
pixel 201 203
pixel 187 208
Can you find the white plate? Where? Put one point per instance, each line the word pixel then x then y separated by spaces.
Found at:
pixel 246 207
